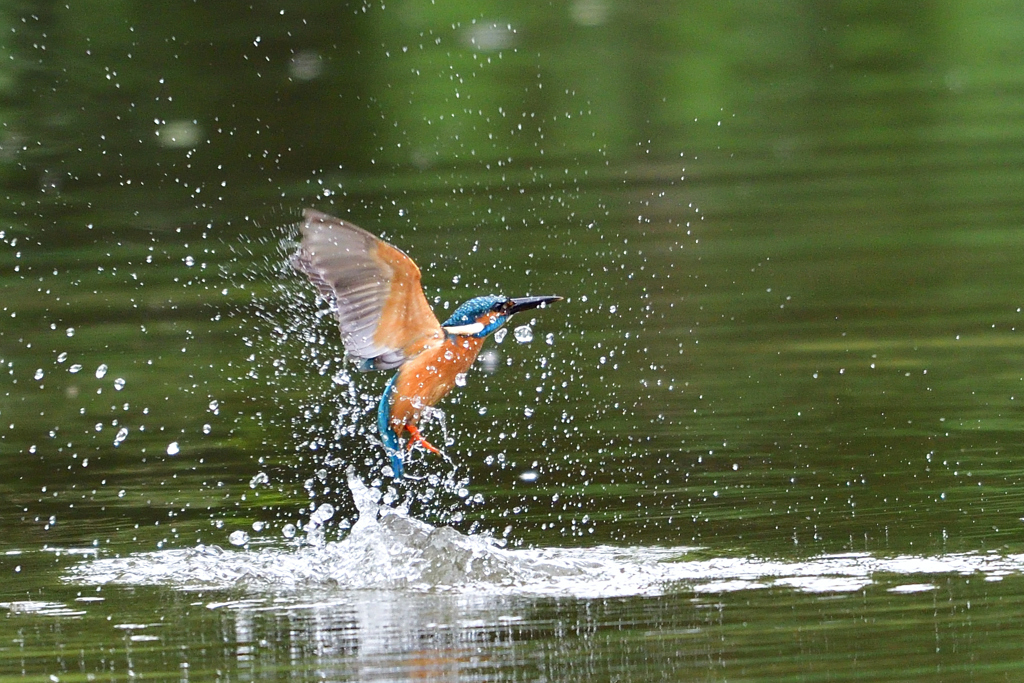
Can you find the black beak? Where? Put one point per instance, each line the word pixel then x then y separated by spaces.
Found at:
pixel 527 302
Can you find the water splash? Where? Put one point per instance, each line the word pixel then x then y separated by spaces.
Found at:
pixel 389 550
pixel 523 334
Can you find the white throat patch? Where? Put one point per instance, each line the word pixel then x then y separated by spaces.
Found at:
pixel 467 330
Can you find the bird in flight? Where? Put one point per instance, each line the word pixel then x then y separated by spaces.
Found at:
pixel 386 323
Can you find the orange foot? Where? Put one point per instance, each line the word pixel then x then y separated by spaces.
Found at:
pixel 418 438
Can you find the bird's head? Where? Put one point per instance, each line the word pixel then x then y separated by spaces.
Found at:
pixel 480 316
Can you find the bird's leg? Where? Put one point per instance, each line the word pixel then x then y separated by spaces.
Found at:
pixel 417 438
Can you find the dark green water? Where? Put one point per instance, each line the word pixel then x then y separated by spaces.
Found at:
pixel 790 239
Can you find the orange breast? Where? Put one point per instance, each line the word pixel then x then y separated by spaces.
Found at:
pixel 425 379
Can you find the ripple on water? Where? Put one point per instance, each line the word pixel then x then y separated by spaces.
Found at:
pixel 388 550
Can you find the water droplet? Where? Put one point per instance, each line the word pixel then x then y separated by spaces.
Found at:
pixel 120 494
pixel 322 514
pixel 75 367
pixel 119 383
pixel 482 410
pixel 529 475
pixel 549 339
pixel 238 537
pixel 460 379
pixel 173 448
pixel 101 371
pixel 39 374
pixel 258 526
pixel 260 479
pixel 121 435
pixel 523 334
pixel 99 426
pixel 62 357
pixel 214 407
pixel 499 336
pixel 71 332
pixel 189 261
pixel 288 531
pixel 613 308
pixel 528 412
pixel 207 429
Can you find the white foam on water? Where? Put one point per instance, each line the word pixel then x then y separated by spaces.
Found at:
pixel 388 550
pixel 42 608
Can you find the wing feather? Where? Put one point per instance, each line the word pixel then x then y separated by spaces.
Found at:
pixel 373 287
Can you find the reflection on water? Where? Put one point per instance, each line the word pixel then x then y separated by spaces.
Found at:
pixel 399 599
pixel 472 611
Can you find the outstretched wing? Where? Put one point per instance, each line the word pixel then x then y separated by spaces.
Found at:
pixel 373 287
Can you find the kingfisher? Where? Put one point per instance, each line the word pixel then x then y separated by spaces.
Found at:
pixel 375 292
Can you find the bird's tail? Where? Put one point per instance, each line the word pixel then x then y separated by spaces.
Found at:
pixel 387 433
